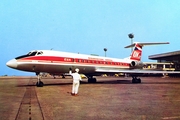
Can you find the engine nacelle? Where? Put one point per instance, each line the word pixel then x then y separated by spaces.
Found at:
pixel 136 64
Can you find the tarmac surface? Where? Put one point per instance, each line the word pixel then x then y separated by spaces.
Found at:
pixel 111 98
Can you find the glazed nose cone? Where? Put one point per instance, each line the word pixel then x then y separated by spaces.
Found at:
pixel 12 63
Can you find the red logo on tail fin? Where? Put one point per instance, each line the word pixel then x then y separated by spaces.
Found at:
pixel 136 54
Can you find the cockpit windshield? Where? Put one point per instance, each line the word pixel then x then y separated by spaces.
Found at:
pixel 32 53
pixel 39 53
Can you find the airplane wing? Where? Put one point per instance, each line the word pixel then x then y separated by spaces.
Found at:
pixel 135 71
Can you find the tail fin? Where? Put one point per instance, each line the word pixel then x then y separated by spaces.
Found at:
pixel 137 52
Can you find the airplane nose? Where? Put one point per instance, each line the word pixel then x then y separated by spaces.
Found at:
pixel 12 63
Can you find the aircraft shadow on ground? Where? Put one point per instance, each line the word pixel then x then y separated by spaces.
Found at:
pixel 107 82
pixel 82 82
pixel 130 82
pixel 110 82
pixel 160 83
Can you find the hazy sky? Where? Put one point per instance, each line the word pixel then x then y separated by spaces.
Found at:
pixel 86 26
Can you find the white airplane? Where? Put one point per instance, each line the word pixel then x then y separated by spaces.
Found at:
pixel 51 61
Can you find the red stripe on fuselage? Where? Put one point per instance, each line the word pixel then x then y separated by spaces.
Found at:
pixel 54 59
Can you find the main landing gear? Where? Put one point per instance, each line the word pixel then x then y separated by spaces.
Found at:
pixel 135 79
pixel 39 82
pixel 91 79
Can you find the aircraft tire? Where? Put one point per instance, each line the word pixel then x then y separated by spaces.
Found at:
pixel 92 80
pixel 133 80
pixel 40 84
pixel 136 80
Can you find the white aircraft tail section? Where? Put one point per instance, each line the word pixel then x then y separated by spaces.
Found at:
pixel 137 52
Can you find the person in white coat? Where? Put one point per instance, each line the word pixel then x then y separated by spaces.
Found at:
pixel 76 81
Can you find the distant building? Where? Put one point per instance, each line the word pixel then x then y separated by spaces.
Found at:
pixel 170 59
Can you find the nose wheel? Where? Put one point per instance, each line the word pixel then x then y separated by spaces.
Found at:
pixel 39 82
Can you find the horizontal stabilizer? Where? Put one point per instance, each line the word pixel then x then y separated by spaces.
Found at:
pixel 143 44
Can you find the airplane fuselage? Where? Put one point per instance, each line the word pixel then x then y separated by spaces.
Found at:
pixel 60 62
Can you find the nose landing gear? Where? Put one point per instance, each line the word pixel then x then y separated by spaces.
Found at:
pixel 39 82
